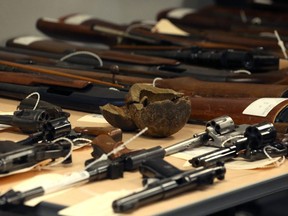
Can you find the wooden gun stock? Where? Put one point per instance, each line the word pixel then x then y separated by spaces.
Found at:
pixel 54 72
pixel 192 87
pixel 62 47
pixel 96 30
pixel 206 108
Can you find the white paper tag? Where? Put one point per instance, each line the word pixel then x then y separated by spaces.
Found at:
pixel 66 180
pixel 27 40
pixel 48 19
pixel 179 13
pixel 262 106
pixel 266 2
pixel 97 205
pixel 164 26
pixel 97 118
pixel 77 19
pixel 242 164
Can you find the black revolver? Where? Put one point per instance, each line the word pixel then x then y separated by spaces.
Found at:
pixel 257 139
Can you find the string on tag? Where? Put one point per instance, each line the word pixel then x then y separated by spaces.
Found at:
pixel 230 138
pixel 81 53
pixel 242 71
pixel 84 140
pixel 117 149
pixel 281 44
pixel 136 25
pixel 276 163
pixel 38 98
pixel 243 16
pixel 155 80
pixel 63 159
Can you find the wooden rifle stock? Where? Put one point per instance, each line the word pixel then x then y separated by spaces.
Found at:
pixel 192 87
pixel 62 47
pixel 206 19
pixel 206 108
pixel 54 72
pixel 99 31
pixel 107 74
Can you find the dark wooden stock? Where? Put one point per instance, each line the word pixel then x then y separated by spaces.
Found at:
pixel 215 28
pixel 85 32
pixel 192 87
pixel 62 47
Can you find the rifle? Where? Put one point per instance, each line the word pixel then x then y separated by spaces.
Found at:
pixel 208 24
pixel 112 167
pixel 143 71
pixel 62 47
pixel 257 139
pixel 22 67
pixel 96 30
pixel 220 58
pixel 192 87
pixel 168 187
pixel 87 99
pixel 93 29
pixel 218 106
pixel 33 79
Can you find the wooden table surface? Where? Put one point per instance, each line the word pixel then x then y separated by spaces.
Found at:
pixel 91 196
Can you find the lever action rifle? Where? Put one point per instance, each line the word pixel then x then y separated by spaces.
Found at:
pixel 112 167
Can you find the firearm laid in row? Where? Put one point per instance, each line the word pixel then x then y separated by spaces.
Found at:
pixel 172 63
pixel 89 28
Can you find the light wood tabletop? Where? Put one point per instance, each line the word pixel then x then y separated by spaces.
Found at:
pixel 238 186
